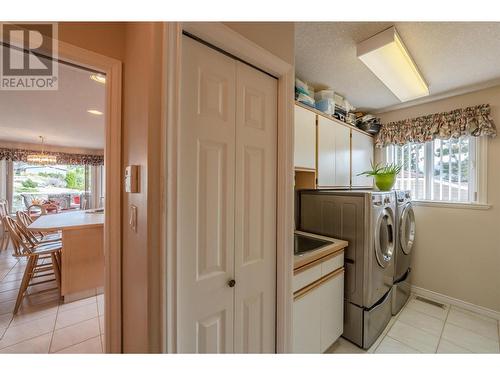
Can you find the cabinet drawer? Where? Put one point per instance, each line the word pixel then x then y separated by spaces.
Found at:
pixel 306 277
pixel 330 265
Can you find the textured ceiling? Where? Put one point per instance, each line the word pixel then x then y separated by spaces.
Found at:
pixel 450 56
pixel 60 116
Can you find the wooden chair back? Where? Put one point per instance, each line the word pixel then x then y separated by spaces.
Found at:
pixel 42 209
pixel 22 243
pixel 4 208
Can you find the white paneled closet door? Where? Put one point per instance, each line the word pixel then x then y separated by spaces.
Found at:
pixel 226 205
pixel 255 219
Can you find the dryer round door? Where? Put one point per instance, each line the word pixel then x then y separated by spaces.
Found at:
pixel 385 237
pixel 407 229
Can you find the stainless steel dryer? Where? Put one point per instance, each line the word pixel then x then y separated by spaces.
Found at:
pixel 405 221
pixel 366 219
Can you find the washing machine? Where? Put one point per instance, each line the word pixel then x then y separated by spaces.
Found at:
pixel 405 237
pixel 366 219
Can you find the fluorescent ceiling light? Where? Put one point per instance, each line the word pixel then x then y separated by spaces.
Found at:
pixel 386 56
pixel 94 112
pixel 98 78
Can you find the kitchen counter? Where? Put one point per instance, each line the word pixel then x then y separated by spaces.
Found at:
pixel 314 255
pixel 82 255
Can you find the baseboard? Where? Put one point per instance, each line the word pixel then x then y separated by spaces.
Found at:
pixel 438 297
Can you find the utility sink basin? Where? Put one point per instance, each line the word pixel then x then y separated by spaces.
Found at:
pixel 304 244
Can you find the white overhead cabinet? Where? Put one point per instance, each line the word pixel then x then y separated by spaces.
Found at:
pixel 362 154
pixel 226 282
pixel 334 154
pixel 305 139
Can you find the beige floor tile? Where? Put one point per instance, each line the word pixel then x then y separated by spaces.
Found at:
pixel 79 303
pixel 416 338
pixel 428 309
pixel 37 345
pixel 13 276
pixel 8 295
pixel 76 315
pixel 91 346
pixel 28 330
pixel 7 307
pixel 74 334
pixel 469 340
pixel 391 346
pixel 423 321
pixel 9 285
pixel 28 314
pixel 343 346
pixel 447 347
pixel 477 323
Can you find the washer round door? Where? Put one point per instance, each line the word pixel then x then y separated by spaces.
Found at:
pixel 385 237
pixel 407 229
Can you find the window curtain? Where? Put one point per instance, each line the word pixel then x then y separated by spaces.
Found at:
pixel 473 121
pixel 62 157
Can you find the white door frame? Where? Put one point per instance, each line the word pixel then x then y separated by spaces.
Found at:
pixel 112 156
pixel 230 41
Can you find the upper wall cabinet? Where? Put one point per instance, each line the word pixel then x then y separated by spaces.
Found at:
pixel 334 154
pixel 305 138
pixel 362 154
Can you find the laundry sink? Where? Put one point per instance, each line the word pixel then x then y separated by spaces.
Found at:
pixel 304 244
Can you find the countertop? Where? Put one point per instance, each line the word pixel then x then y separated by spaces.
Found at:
pixel 311 256
pixel 68 220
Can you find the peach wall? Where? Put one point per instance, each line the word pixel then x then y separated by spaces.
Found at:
pixel 277 37
pixel 457 251
pixel 141 142
pixel 106 38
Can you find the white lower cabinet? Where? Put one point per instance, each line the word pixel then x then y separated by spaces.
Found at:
pixel 318 315
pixel 332 311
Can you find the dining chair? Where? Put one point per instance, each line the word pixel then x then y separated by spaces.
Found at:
pixel 4 211
pixel 43 259
pixel 24 220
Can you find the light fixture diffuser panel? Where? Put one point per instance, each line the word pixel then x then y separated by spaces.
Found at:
pixel 386 56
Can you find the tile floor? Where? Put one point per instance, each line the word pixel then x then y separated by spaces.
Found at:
pixel 44 324
pixel 424 328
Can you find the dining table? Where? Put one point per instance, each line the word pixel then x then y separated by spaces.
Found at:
pixel 82 255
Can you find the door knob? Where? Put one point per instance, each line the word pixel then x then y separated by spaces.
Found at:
pixel 231 283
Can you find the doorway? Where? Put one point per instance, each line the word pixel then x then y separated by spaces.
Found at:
pixel 88 173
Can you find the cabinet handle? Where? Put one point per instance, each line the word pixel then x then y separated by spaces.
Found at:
pixel 316 284
pixel 231 283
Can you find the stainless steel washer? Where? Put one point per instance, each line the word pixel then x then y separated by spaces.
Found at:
pixel 405 219
pixel 366 219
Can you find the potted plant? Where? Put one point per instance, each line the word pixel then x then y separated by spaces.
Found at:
pixel 385 175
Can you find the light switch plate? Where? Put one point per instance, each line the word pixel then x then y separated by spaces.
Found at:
pixel 132 218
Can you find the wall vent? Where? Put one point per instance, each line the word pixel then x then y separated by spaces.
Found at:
pixel 430 302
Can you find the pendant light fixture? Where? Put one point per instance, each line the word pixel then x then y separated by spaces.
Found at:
pixel 41 157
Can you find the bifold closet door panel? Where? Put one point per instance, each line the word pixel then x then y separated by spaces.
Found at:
pixel 255 208
pixel 205 312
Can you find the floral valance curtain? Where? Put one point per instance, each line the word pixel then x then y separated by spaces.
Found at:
pixel 62 157
pixel 475 121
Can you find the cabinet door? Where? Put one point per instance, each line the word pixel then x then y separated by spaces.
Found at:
pixel 332 310
pixel 334 165
pixel 307 323
pixel 305 138
pixel 362 154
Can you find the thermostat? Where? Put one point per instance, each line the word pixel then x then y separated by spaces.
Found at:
pixel 132 179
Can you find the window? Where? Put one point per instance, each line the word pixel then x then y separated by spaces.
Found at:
pixel 37 183
pixel 440 170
